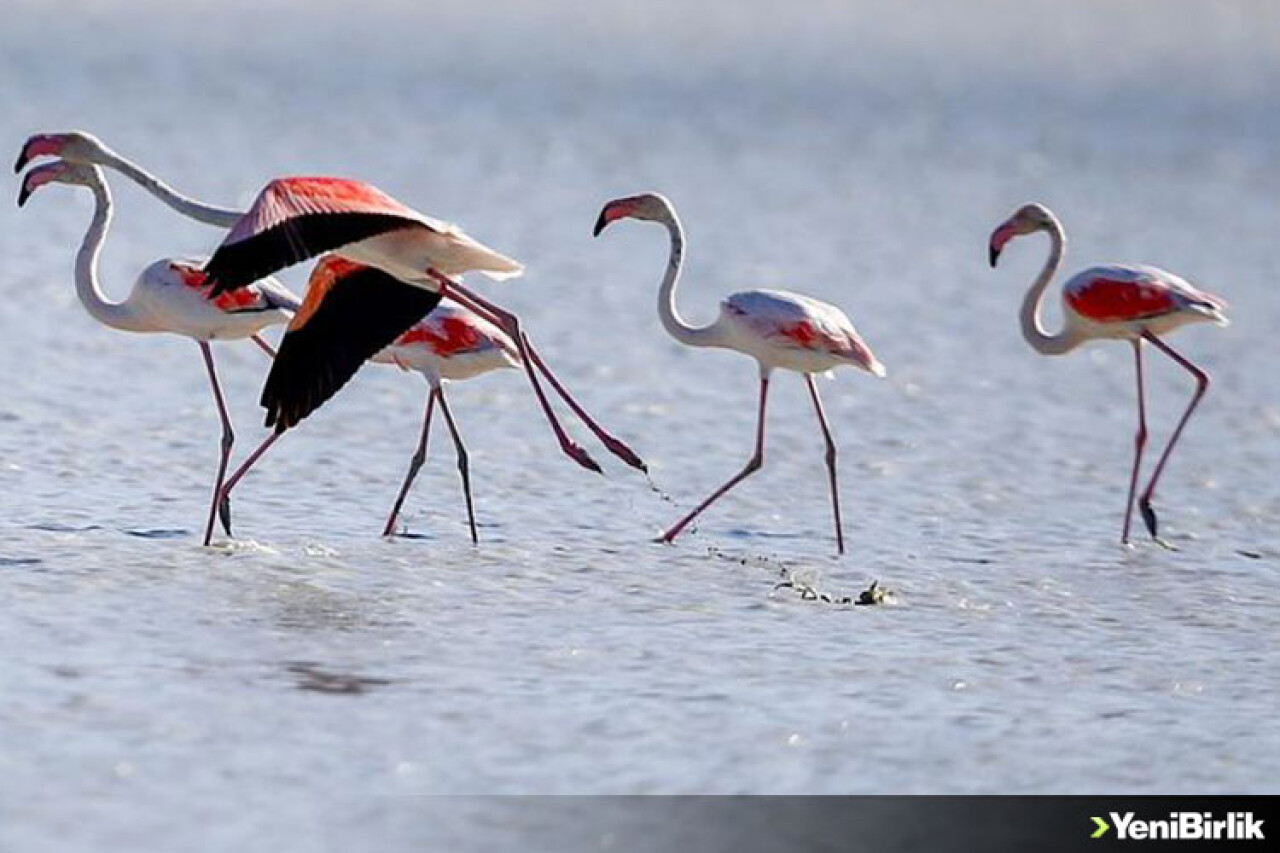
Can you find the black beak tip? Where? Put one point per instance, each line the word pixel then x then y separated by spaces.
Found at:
pixel 23 195
pixel 600 224
pixel 24 157
pixel 993 255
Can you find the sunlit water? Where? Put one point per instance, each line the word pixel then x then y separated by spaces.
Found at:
pixel 861 157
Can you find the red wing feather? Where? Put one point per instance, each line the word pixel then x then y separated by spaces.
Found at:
pixel 1107 300
pixel 295 219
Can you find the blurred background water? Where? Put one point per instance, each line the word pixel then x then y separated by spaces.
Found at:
pixel 860 153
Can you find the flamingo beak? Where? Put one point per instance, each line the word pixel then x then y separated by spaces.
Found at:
pixel 999 239
pixel 601 221
pixel 24 157
pixel 24 194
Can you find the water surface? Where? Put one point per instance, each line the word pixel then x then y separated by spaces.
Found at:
pixel 861 156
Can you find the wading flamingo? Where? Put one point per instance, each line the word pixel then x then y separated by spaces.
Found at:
pixel 776 328
pixel 1132 303
pixel 293 219
pixel 171 295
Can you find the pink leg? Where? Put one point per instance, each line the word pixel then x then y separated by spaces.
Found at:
pixel 511 325
pixel 266 347
pixel 464 465
pixel 224 502
pixel 1202 385
pixel 415 463
pixel 228 436
pixel 1139 443
pixel 531 359
pixel 753 465
pixel 831 459
pixel 614 446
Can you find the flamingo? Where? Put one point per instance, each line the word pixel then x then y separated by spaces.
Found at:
pixel 1132 303
pixel 171 295
pixel 293 219
pixel 776 328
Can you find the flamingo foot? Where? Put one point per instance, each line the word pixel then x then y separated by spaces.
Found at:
pixel 224 513
pixel 1149 519
pixel 1148 515
pixel 626 454
pixel 577 454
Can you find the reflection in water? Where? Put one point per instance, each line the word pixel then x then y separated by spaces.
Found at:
pixel 311 676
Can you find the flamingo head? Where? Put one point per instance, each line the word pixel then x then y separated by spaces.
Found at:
pixel 650 206
pixel 1026 220
pixel 75 146
pixel 57 172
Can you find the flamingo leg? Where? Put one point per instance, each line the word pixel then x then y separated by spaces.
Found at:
pixel 511 324
pixel 1202 385
pixel 419 457
pixel 266 347
pixel 464 465
pixel 530 359
pixel 224 500
pixel 1139 442
pixel 613 445
pixel 753 464
pixel 831 459
pixel 228 436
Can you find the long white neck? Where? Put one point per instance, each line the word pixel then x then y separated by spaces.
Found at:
pixel 1032 329
pixel 695 336
pixel 187 206
pixel 117 315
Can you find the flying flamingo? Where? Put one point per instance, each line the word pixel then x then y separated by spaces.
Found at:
pixel 171 295
pixel 451 343
pixel 776 328
pixel 406 262
pixel 1133 303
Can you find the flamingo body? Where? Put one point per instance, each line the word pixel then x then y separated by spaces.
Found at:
pixel 172 295
pixel 451 344
pixel 1123 301
pixel 793 332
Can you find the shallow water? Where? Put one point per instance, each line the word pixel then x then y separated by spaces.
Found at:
pixel 861 156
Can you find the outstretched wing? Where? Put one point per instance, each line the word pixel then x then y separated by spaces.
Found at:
pixel 350 313
pixel 294 219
